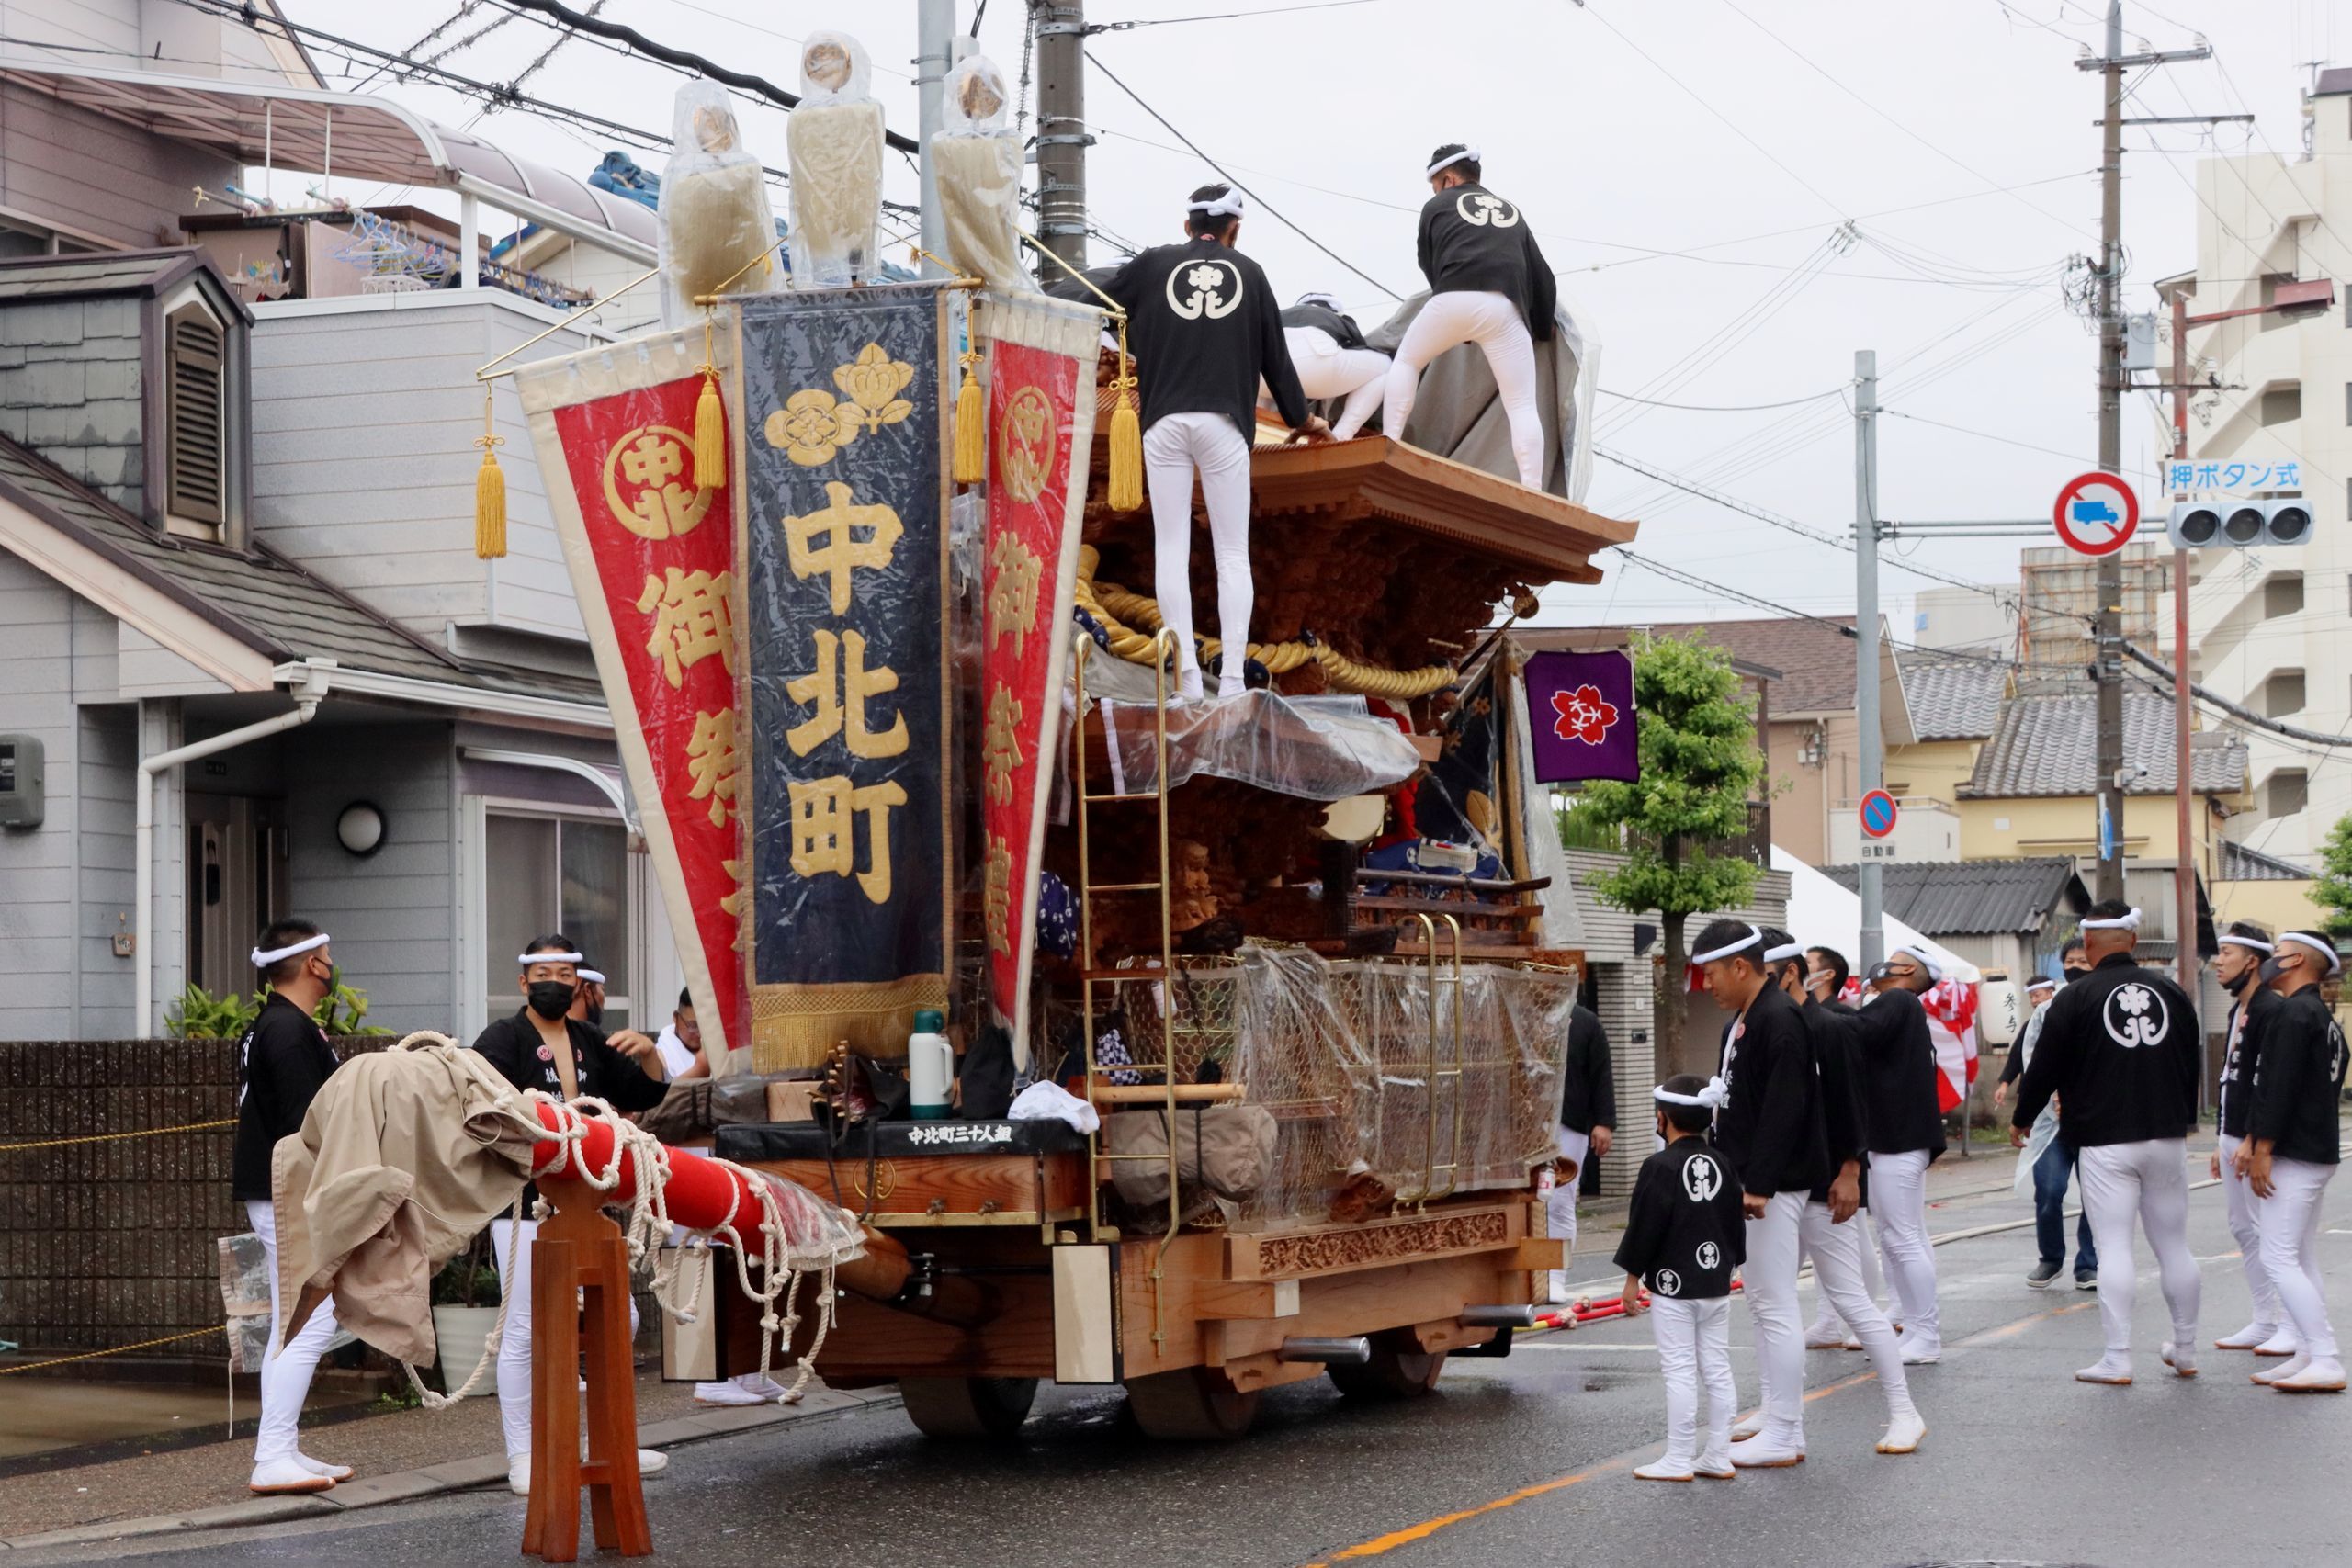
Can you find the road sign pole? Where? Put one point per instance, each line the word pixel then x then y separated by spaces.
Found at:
pixel 1870 746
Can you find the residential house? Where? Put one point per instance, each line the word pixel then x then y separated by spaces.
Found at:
pixel 1997 914
pixel 236 512
pixel 1954 706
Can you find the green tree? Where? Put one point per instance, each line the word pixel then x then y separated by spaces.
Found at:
pixel 2333 891
pixel 1700 765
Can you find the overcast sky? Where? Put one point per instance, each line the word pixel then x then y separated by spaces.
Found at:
pixel 1688 172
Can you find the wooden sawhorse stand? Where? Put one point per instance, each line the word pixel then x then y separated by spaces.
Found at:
pixel 580 1256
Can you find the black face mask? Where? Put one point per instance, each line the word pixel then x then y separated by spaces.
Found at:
pixel 2076 974
pixel 2238 984
pixel 551 998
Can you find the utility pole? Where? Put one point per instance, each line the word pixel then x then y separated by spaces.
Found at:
pixel 1062 137
pixel 1866 656
pixel 2112 383
pixel 934 57
pixel 2183 793
pixel 2110 625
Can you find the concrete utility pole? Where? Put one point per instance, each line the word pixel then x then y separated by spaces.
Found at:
pixel 1872 764
pixel 934 57
pixel 2110 625
pixel 1062 138
pixel 2185 879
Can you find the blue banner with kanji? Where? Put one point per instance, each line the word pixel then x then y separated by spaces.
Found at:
pixel 842 541
pixel 1581 709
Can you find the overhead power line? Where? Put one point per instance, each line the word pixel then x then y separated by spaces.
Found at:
pixel 1722 408
pixel 2244 715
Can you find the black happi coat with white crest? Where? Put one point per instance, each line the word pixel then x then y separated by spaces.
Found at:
pixel 1204 328
pixel 1684 1232
pixel 1473 241
pixel 1772 1127
pixel 2257 1005
pixel 2300 1081
pixel 2122 1050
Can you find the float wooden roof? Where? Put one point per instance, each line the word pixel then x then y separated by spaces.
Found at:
pixel 1552 537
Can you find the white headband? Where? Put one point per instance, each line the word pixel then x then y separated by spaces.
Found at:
pixel 1329 301
pixel 1225 206
pixel 1784 953
pixel 2130 922
pixel 1935 971
pixel 263 960
pixel 594 977
pixel 1713 1098
pixel 1753 939
pixel 530 958
pixel 1467 155
pixel 2318 944
pixel 2234 940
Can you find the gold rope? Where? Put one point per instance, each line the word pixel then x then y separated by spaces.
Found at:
pixel 93 1354
pixel 109 1138
pixel 1120 611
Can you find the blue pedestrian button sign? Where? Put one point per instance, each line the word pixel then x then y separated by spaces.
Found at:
pixel 1878 813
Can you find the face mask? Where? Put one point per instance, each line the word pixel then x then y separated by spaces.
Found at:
pixel 2237 984
pixel 550 999
pixel 2072 974
pixel 2271 970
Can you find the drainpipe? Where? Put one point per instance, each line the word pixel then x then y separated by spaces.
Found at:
pixel 307 696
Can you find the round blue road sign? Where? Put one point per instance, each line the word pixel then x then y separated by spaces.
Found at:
pixel 1878 813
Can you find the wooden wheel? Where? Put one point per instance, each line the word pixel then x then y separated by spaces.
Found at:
pixel 1190 1404
pixel 967 1408
pixel 1399 1369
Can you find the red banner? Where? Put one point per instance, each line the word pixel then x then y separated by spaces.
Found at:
pixel 651 556
pixel 1041 428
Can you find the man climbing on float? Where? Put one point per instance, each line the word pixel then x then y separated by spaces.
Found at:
pixel 1488 285
pixel 1205 329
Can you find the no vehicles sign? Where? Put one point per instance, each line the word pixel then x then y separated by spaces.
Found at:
pixel 2097 513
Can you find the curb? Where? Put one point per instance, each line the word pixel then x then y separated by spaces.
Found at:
pixel 458 1475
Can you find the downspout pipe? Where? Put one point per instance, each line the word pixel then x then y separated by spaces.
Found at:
pixel 307 694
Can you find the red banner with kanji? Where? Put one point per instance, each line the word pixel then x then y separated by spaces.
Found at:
pixel 1041 429
pixel 650 557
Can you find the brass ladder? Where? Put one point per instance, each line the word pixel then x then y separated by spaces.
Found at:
pixel 1098 1092
pixel 1431 1164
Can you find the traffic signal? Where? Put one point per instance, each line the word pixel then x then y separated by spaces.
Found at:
pixel 2238 524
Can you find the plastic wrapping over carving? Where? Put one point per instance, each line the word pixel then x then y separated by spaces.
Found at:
pixel 834 140
pixel 716 224
pixel 979 166
pixel 1313 748
pixel 1338 1054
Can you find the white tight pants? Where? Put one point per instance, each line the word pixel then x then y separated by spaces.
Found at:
pixel 2289 1223
pixel 1560 1208
pixel 285 1372
pixel 1825 1312
pixel 515 1343
pixel 1325 370
pixel 1837 1252
pixel 1694 1346
pixel 2245 1229
pixel 1769 1282
pixel 1899 1208
pixel 2151 1180
pixel 1175 446
pixel 1492 323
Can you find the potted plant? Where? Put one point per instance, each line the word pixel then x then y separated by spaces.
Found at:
pixel 464 1305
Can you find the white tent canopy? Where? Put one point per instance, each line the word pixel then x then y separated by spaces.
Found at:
pixel 1824 913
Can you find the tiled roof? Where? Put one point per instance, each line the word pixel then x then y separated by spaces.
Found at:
pixel 1957 700
pixel 1816 658
pixel 2046 744
pixel 264 600
pixel 28 278
pixel 1975 897
pixel 2239 863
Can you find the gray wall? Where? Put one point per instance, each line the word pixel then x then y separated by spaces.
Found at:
pixel 92 174
pixel 391 912
pixel 364 461
pixel 69 386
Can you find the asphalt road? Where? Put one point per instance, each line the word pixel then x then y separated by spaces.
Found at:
pixel 1524 1460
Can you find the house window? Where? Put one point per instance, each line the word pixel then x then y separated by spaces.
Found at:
pixel 557 874
pixel 196 416
pixel 2285 793
pixel 2281 405
pixel 2283 694
pixel 2282 596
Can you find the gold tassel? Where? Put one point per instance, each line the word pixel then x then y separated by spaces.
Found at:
pixel 710 422
pixel 490 490
pixel 1127 436
pixel 971 426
